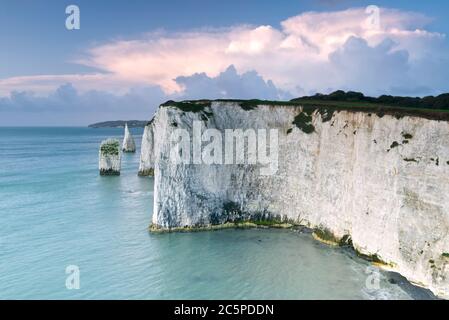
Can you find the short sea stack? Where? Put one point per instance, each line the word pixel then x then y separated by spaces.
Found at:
pixel 109 158
pixel 128 141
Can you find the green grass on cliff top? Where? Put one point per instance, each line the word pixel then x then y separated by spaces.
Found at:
pixel 310 105
pixel 110 147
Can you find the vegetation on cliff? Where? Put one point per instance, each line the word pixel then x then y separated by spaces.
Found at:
pixel 188 105
pixel 110 147
pixel 440 102
pixel 433 108
pixel 304 122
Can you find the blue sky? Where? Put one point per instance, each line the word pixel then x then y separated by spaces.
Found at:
pixel 129 56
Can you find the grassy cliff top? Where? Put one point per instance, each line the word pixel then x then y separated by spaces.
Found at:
pixel 430 107
pixel 110 147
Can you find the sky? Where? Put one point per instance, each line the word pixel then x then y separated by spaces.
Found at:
pixel 127 57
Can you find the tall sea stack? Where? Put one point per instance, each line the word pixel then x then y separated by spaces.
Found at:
pixel 146 167
pixel 109 158
pixel 128 141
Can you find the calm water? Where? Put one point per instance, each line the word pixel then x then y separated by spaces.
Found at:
pixel 55 211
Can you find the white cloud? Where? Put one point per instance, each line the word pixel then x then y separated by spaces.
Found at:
pixel 310 52
pixel 67 105
pixel 43 85
pixel 229 84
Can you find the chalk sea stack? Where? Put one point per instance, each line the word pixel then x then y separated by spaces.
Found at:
pixel 128 141
pixel 146 167
pixel 109 158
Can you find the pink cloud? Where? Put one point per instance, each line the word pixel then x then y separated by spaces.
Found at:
pixel 296 56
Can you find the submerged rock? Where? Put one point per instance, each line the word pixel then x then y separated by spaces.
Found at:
pixel 128 141
pixel 109 157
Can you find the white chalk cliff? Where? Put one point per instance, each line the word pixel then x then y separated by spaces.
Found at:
pixel 380 182
pixel 128 144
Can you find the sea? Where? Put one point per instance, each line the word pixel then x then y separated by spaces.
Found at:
pixel 68 233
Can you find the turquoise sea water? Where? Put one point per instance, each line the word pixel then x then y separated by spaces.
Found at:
pixel 56 211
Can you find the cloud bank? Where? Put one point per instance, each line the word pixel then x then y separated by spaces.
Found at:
pixel 376 52
pixel 81 107
pixel 229 84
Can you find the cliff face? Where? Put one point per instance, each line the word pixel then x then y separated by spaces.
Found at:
pixel 381 182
